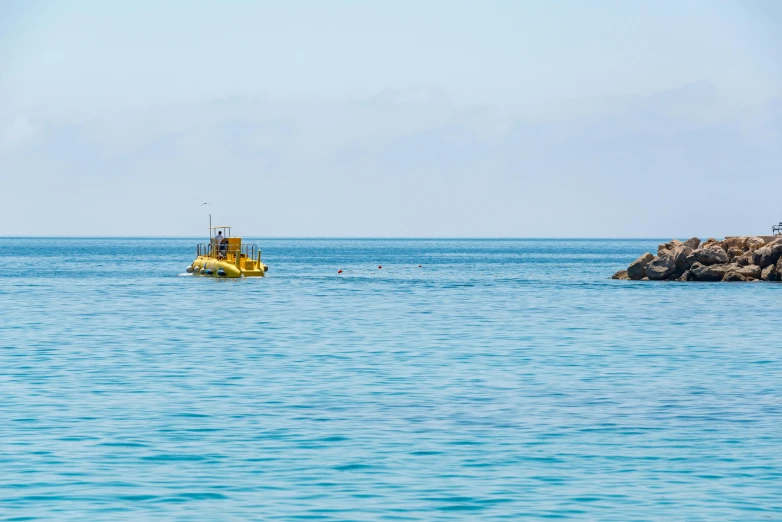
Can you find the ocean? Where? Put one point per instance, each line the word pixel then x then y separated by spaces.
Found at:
pixel 498 380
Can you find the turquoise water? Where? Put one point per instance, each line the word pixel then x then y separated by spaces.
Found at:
pixel 501 380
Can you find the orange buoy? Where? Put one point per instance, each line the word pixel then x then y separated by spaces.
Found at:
pixel 339 271
pixel 379 267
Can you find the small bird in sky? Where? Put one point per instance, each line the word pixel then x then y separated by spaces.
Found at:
pixel 202 204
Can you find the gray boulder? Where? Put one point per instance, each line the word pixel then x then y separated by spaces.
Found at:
pixel 709 255
pixel 766 255
pixel 770 273
pixel 622 274
pixel 661 267
pixel 733 276
pixel 637 269
pixel 693 242
pixel 680 255
pixel 686 276
pixel 667 247
pixel 701 272
pixel 776 250
pixel 749 271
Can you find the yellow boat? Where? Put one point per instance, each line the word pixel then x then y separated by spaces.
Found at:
pixel 228 258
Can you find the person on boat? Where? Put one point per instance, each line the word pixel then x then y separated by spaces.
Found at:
pixel 223 246
pixel 218 240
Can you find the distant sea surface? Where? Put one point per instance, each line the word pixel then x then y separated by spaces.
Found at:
pixel 500 380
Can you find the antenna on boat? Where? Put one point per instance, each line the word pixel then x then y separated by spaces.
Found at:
pixel 210 223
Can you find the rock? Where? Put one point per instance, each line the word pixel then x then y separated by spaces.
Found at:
pixel 737 242
pixel 661 267
pixel 776 250
pixel 734 252
pixel 766 256
pixel 710 255
pixel 770 273
pixel 749 271
pixel 667 247
pixel 752 243
pixel 733 276
pixel 709 244
pixel 701 272
pixel 726 272
pixel 680 254
pixel 739 258
pixel 637 269
pixel 759 253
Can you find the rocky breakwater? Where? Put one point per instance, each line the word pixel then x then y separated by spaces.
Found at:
pixel 745 258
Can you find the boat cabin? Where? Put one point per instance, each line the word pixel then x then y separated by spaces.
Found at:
pixel 223 246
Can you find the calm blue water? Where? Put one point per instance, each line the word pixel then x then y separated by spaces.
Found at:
pixel 501 380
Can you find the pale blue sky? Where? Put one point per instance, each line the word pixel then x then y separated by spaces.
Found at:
pixel 521 119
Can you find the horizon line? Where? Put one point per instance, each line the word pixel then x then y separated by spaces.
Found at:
pixel 429 238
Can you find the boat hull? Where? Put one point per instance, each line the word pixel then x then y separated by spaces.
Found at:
pixel 211 267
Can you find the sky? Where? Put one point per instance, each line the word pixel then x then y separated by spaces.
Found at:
pixel 391 119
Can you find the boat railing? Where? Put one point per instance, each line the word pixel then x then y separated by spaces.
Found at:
pixel 225 251
pixel 777 229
